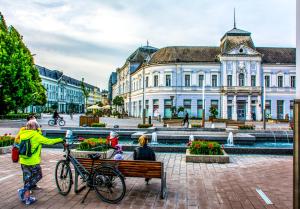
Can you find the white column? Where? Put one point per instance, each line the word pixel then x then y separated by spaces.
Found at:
pixel 248 115
pixel 234 111
pixel 224 107
pixel 258 109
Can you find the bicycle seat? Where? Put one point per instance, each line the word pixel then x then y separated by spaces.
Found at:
pixel 95 156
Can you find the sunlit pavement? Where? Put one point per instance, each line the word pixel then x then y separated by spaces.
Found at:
pixel 198 185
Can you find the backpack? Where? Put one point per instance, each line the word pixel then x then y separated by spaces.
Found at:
pixel 25 149
pixel 15 154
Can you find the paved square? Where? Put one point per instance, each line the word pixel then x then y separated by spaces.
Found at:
pixel 199 185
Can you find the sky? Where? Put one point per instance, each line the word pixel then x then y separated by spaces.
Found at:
pixel 91 38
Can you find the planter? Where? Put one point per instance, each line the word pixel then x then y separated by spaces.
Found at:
pixel 84 154
pixel 87 120
pixel 207 158
pixel 4 150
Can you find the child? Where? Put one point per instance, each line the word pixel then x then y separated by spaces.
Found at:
pixel 113 139
pixel 119 153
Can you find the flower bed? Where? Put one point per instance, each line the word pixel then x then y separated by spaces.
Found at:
pixel 144 125
pixel 206 152
pixel 92 145
pixel 5 143
pixel 98 125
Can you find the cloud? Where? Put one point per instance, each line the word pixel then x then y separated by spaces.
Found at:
pixel 92 38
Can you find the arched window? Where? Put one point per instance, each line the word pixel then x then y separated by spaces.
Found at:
pixel 241 79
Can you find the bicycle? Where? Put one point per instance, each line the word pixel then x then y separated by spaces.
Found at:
pixel 105 179
pixel 60 121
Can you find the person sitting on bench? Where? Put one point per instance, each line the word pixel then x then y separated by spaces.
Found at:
pixel 144 152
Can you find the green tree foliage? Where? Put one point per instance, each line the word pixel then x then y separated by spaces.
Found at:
pixel 85 91
pixel 19 79
pixel 118 101
pixel 213 111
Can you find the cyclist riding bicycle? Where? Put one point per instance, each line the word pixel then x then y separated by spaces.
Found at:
pixel 55 116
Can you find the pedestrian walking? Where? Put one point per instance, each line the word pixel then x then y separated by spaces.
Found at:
pixel 31 142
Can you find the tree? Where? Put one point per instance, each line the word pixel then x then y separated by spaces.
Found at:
pixel 20 82
pixel 213 111
pixel 118 101
pixel 85 91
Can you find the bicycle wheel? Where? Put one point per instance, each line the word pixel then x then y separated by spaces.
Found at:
pixel 109 184
pixel 51 122
pixel 61 122
pixel 63 177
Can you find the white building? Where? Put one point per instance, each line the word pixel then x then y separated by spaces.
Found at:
pixel 64 92
pixel 233 75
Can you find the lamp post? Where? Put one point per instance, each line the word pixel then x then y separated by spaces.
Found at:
pixel 264 103
pixel 144 111
pixel 296 159
pixel 203 105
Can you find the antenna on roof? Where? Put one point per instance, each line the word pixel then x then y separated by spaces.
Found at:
pixel 234 23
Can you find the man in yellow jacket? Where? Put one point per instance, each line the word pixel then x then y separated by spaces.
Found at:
pixel 31 168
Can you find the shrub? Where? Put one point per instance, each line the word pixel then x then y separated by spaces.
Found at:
pixel 6 140
pixel 144 125
pixel 196 126
pixel 98 125
pixel 19 116
pixel 246 127
pixel 94 144
pixel 213 111
pixel 205 148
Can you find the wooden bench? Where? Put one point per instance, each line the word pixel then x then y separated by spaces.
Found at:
pixel 233 123
pixel 130 168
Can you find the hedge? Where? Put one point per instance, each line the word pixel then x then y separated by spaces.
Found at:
pixel 98 125
pixel 246 127
pixel 196 126
pixel 144 125
pixel 19 116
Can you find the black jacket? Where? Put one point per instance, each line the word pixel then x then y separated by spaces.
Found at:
pixel 144 153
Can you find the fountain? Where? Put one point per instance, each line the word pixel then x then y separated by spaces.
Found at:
pixel 154 138
pixel 191 138
pixel 274 137
pixel 287 136
pixel 230 139
pixel 212 125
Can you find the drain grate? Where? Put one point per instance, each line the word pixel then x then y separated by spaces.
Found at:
pixel 264 196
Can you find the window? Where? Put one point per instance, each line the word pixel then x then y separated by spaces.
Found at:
pixel 229 80
pixel 201 79
pixel 155 81
pixel 253 80
pixel 293 81
pixel 279 109
pixel 268 109
pixel 147 82
pixel 280 81
pixel 168 80
pixel 155 107
pixel 267 81
pixel 199 108
pixel 241 79
pixel 215 103
pixel 187 80
pixel 214 80
pixel 168 108
pixel 187 105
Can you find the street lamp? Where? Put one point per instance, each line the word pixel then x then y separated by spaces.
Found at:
pixel 203 105
pixel 144 111
pixel 264 103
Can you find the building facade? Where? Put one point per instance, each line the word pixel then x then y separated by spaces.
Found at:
pixel 230 77
pixel 64 93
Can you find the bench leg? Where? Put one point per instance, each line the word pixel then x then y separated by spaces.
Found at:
pixel 163 190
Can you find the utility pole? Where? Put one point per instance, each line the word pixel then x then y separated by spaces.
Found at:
pixel 144 111
pixel 264 102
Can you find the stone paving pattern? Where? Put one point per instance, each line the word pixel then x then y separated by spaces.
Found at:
pixel 190 185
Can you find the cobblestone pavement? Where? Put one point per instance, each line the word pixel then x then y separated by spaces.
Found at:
pixel 198 185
